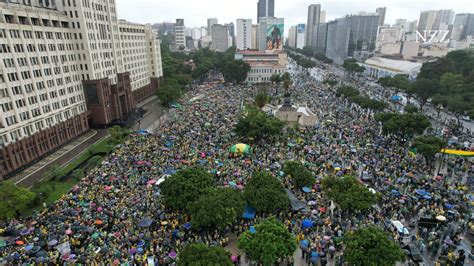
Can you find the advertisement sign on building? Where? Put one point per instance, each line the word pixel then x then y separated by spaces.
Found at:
pixel 275 36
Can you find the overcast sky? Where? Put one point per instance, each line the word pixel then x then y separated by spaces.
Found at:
pixel 196 12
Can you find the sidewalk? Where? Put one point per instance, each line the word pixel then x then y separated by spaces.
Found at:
pixel 34 173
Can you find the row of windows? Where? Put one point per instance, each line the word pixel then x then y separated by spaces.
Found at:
pixel 15 34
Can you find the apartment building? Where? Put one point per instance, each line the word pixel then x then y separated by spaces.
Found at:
pixel 64 66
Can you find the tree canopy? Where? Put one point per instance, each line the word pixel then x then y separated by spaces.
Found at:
pixel 428 147
pixel 256 125
pixel 371 246
pixel 404 126
pixel 348 91
pixel 300 175
pixel 266 193
pixel 271 241
pixel 351 66
pixel 13 199
pixel 348 193
pixel 217 209
pixel 424 89
pixel 185 187
pixel 261 99
pixel 235 71
pixel 197 254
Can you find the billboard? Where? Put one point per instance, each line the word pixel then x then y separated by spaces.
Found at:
pixel 301 28
pixel 275 36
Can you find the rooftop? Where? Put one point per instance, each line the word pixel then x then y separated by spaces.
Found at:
pixel 391 64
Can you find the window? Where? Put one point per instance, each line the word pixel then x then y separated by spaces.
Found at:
pixel 11 120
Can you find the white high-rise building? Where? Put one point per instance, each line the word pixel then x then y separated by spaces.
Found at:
pixel 220 38
pixel 210 23
pixel 61 59
pixel 244 34
pixel 180 35
pixel 292 37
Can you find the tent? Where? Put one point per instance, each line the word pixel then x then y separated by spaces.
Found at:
pixel 396 98
pixel 240 148
pixel 249 213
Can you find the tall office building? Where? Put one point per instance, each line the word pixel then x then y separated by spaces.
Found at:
pixel 407 26
pixel 180 35
pixel 300 35
pixel 351 35
pixel 291 40
pixel 463 26
pixel 265 8
pixel 322 38
pixel 244 34
pixel 220 38
pixel 255 33
pixel 210 23
pixel 314 12
pixel 381 12
pixel 435 20
pixel 65 66
pixel 231 31
pixel 322 16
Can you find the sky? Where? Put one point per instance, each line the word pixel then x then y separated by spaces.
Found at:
pixel 196 12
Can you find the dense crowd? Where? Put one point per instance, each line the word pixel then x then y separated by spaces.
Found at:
pixel 116 215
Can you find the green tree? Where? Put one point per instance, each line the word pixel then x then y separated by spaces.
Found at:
pixel 300 175
pixel 270 242
pixel 330 82
pixel 348 91
pixel 411 108
pixel 197 254
pixel 471 114
pixel 286 84
pixel 266 193
pixel 459 107
pixel 55 172
pixel 286 76
pixel 217 209
pixel 256 125
pixel 351 66
pixel 428 147
pixel 452 83
pixel 439 102
pixel 276 78
pixel 403 126
pixel 77 174
pixel 13 199
pixel 348 193
pixel 261 99
pixel 185 187
pixel 424 89
pixel 308 51
pixel 235 71
pixel 117 134
pixel 371 246
pixel 169 93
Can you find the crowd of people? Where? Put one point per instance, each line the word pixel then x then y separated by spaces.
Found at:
pixel 115 214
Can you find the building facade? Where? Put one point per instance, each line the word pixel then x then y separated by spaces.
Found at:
pixel 244 34
pixel 255 33
pixel 463 27
pixel 292 37
pixel 381 12
pixel 378 67
pixel 63 68
pixel 263 64
pixel 435 20
pixel 180 36
pixel 314 13
pixel 220 38
pixel 265 24
pixel 211 22
pixel 265 8
pixel 300 35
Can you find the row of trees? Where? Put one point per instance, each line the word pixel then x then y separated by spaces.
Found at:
pixel 363 101
pixel 448 82
pixel 178 75
pixel 255 125
pixel 309 52
pixel 403 126
pixel 351 66
pixel 302 61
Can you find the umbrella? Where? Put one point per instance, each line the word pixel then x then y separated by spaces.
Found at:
pixel 132 251
pixel 314 254
pixel 306 189
pixel 307 223
pixel 311 202
pixel 427 197
pixel 322 209
pixel 53 242
pixel 304 243
pixel 151 182
pixel 98 222
pixel 441 218
pixel 252 230
pixel 396 98
pixel 19 242
pixel 172 254
pixel 145 222
pixel 448 206
pixel 68 232
pixel 24 232
pixel 395 193
pixel 29 247
pixel 240 148
pixel 187 226
pixel 164 223
pixel 233 258
pixel 421 192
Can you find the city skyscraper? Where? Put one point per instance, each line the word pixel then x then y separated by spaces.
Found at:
pixel 463 26
pixel 244 34
pixel 210 23
pixel 265 8
pixel 381 12
pixel 220 38
pixel 322 16
pixel 314 12
pixel 435 20
pixel 180 36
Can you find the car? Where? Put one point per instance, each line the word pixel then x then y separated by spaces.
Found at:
pixel 415 253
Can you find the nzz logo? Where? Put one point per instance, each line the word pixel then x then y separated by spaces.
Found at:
pixel 432 36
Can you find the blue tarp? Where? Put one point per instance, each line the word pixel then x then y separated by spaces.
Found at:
pixel 306 189
pixel 395 193
pixel 170 171
pixel 249 213
pixel 187 226
pixel 449 206
pixel 252 230
pixel 396 98
pixel 421 192
pixel 296 204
